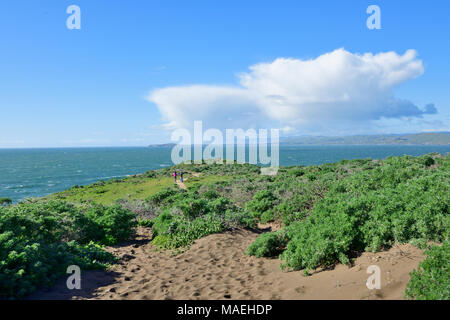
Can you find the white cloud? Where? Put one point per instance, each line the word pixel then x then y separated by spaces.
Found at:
pixel 329 91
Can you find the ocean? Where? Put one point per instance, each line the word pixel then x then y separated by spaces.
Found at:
pixel 27 173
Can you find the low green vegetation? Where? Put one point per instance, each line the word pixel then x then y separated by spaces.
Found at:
pixel 349 209
pixel 196 182
pixel 38 241
pixel 329 214
pixel 371 210
pixel 187 215
pixel 268 244
pixel 5 201
pixel 108 192
pixel 431 281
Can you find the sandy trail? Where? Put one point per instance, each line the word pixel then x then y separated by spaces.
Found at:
pixel 181 185
pixel 215 267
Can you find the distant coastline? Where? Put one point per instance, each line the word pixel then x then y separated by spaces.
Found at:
pixel 426 138
pixel 163 145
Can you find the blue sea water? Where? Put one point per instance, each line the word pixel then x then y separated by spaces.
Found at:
pixel 26 173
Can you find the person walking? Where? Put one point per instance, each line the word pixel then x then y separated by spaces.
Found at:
pixel 175 176
pixel 181 176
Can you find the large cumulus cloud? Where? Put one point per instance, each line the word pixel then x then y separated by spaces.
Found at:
pixel 335 88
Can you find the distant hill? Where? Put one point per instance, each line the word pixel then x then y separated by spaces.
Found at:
pixel 437 138
pixel 442 138
pixel 164 145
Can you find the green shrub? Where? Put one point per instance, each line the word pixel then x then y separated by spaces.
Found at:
pixel 148 223
pixel 347 209
pixel 38 241
pixel 263 201
pixel 268 244
pixel 428 161
pixel 26 265
pixel 109 225
pixel 50 222
pixel 150 174
pixel 239 218
pixel 192 217
pixel 164 195
pixel 320 240
pixel 5 201
pixel 267 216
pixel 211 194
pixel 297 171
pixel 431 281
pixel 193 208
pixel 173 231
pixel 292 209
pixel 221 205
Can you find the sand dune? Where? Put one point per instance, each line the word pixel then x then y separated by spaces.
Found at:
pixel 216 267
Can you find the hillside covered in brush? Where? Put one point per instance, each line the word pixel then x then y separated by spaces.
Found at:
pixel 328 214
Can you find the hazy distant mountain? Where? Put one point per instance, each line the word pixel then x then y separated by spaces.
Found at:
pixel 164 145
pixel 442 138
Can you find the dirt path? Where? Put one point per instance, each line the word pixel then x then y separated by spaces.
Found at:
pixel 215 267
pixel 181 185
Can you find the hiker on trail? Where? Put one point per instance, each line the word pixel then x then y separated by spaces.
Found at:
pixel 181 176
pixel 175 176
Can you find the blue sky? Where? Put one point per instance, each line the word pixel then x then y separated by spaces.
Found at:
pixel 126 76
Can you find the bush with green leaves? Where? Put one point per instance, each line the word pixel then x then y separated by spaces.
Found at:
pixel 38 241
pixel 191 215
pixel 194 207
pixel 262 203
pixel 172 231
pixel 427 161
pixel 362 208
pixel 108 225
pixel 147 223
pixel 431 280
pixel 162 196
pixel 268 244
pixel 5 201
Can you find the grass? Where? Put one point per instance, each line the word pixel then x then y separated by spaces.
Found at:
pixel 196 182
pixel 107 193
pixel 138 187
